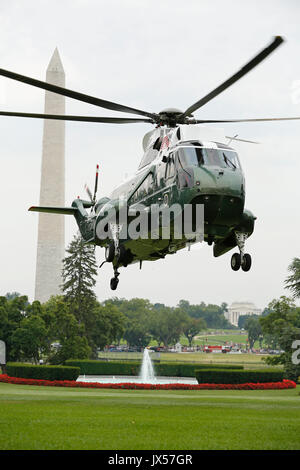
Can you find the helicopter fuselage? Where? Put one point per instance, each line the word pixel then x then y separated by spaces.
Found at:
pixel 177 169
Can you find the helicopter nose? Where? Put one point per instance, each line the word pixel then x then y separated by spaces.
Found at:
pixel 221 193
pixel 218 181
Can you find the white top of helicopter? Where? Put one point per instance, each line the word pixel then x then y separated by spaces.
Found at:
pixel 187 132
pixel 169 135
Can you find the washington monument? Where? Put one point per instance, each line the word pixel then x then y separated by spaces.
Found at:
pixel 51 228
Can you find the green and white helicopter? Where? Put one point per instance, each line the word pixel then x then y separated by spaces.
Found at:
pixel 185 165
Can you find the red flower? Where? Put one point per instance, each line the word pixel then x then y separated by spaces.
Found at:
pixel 136 386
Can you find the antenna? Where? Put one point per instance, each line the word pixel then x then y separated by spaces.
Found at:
pixel 93 197
pixel 240 140
pixel 231 138
pixel 96 184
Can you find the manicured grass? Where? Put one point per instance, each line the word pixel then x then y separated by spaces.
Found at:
pixel 190 357
pixel 249 361
pixel 221 338
pixel 58 418
pixel 214 358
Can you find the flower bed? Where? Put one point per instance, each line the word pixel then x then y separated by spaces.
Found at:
pixel 137 386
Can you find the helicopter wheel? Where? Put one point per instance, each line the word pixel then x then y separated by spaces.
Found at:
pixel 236 261
pixel 246 263
pixel 114 283
pixel 110 252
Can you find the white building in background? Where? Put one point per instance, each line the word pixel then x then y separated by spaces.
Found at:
pixel 237 309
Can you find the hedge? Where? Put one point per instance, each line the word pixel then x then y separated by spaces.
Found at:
pixel 174 369
pixel 29 371
pixel 218 366
pixel 89 367
pixel 169 369
pixel 226 376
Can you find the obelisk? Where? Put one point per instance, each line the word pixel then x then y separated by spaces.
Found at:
pixel 51 227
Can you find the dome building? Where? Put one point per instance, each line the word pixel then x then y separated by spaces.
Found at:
pixel 237 309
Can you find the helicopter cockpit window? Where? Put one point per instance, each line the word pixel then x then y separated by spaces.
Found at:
pixel 230 158
pixel 212 157
pixel 197 156
pixel 190 156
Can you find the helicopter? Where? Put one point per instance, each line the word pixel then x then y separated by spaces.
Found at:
pixel 184 164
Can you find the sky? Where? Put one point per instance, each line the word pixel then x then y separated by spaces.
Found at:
pixel 151 55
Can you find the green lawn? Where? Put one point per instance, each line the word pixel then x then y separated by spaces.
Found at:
pixel 59 418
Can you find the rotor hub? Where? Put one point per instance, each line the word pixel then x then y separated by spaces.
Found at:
pixel 170 117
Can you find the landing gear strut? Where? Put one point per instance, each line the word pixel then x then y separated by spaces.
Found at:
pixel 113 251
pixel 114 280
pixel 241 259
pixel 110 252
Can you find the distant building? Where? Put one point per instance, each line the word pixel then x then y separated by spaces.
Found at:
pixel 237 309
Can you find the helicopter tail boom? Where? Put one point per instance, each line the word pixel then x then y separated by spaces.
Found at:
pixel 54 210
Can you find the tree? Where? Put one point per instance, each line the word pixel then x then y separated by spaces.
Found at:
pixel 243 319
pixel 253 327
pixel 283 324
pixel 30 338
pixel 12 312
pixel 12 295
pixel 192 327
pixel 212 314
pixel 109 325
pixel 293 281
pixel 79 278
pixel 282 312
pixel 137 312
pixel 64 328
pixel 167 324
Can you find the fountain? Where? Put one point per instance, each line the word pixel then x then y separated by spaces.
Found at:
pixel 147 372
pixel 147 376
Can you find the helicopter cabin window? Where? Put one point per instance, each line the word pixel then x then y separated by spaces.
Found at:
pixel 144 190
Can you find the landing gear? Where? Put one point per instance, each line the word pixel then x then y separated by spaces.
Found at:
pixel 114 280
pixel 246 263
pixel 114 283
pixel 241 260
pixel 110 252
pixel 236 261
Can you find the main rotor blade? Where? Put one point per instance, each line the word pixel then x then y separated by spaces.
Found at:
pixel 63 117
pixel 215 121
pixel 243 71
pixel 74 94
